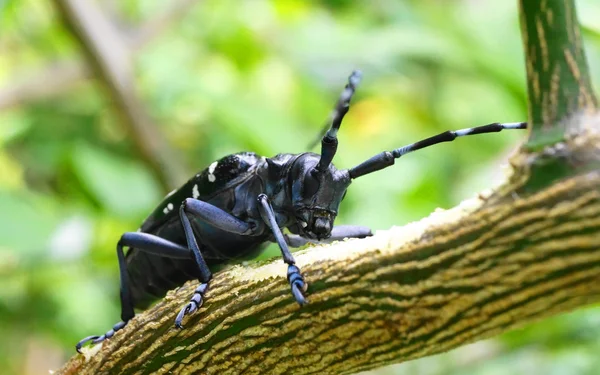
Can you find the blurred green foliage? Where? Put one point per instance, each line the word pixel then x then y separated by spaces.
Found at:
pixel 260 76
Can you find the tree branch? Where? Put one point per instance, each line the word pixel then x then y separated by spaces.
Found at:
pixel 157 25
pixel 529 250
pixel 558 80
pixel 456 277
pixel 56 78
pixel 107 53
pixel 59 76
pixel 560 95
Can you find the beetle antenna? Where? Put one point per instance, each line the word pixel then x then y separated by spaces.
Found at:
pixel 316 140
pixel 387 158
pixel 329 141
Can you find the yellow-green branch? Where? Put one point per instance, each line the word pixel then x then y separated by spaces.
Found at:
pixel 456 277
pixel 529 250
pixel 558 81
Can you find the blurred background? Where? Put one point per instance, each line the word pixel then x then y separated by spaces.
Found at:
pixel 106 106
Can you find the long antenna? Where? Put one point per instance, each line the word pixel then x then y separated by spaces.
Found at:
pixel 387 158
pixel 316 140
pixel 329 141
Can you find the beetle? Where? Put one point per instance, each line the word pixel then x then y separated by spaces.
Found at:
pixel 230 209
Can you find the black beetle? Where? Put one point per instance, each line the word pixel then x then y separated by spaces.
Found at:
pixel 229 210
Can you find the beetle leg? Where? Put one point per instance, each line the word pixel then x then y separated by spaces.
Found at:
pixel 338 233
pixel 294 240
pixel 195 303
pixel 144 242
pixel 205 275
pixel 216 217
pixel 98 339
pixel 294 276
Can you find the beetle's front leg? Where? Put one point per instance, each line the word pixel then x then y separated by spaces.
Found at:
pixel 338 233
pixel 294 276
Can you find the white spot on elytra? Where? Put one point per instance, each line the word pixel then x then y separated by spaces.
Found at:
pixel 211 171
pixel 195 192
pixel 168 208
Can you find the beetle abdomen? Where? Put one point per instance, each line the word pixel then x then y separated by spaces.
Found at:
pixel 151 276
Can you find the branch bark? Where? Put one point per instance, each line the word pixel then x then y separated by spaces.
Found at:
pixel 106 51
pixel 60 76
pixel 529 250
pixel 451 279
pixel 56 78
pixel 558 82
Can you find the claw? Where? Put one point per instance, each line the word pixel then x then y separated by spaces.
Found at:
pixel 180 316
pixel 298 295
pixel 98 339
pixel 195 302
pixel 81 343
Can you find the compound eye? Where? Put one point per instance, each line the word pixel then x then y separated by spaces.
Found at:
pixel 311 185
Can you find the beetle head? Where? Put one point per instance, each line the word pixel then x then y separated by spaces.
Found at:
pixel 316 196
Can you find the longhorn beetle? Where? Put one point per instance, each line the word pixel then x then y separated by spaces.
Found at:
pixel 239 202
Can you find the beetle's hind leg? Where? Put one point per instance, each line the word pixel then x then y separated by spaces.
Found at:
pixel 98 339
pixel 144 242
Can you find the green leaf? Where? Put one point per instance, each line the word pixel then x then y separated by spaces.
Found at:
pixel 120 186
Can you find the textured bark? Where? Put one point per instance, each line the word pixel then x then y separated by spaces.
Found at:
pixel 560 95
pixel 528 250
pixel 558 81
pixel 454 278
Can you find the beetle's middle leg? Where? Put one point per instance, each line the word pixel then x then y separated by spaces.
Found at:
pixel 213 216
